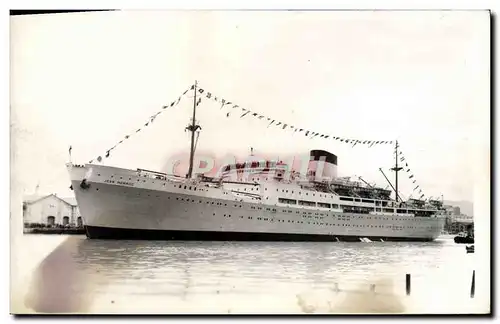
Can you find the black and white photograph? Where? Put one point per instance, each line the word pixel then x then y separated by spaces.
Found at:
pixel 250 162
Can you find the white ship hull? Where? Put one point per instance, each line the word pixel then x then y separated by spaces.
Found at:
pixel 120 204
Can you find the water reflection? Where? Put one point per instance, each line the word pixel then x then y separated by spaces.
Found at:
pixel 81 270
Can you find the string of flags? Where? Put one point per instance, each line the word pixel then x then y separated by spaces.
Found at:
pixel 407 169
pixel 150 120
pixel 243 112
pixel 234 108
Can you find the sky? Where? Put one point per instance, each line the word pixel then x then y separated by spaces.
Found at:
pixel 89 79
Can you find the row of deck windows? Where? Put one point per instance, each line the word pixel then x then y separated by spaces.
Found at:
pixel 304 203
pixel 283 190
pixel 351 209
pixel 340 217
pixel 393 227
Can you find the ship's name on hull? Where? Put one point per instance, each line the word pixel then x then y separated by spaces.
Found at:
pixel 120 182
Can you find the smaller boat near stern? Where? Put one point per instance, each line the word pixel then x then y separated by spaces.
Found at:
pixel 465 237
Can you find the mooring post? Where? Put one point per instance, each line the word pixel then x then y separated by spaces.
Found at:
pixel 473 284
pixel 336 289
pixel 372 288
pixel 408 284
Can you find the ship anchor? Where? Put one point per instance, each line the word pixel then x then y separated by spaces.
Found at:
pixel 84 184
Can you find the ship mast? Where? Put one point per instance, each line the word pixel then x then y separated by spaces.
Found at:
pixel 192 128
pixel 390 184
pixel 396 169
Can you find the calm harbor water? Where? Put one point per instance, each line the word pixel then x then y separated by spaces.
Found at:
pixel 101 276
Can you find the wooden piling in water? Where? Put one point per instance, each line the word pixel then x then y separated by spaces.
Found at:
pixel 473 284
pixel 408 284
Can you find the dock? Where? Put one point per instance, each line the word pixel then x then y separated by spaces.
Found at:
pixel 56 230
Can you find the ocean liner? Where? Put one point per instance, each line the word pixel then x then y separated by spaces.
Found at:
pixel 253 200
